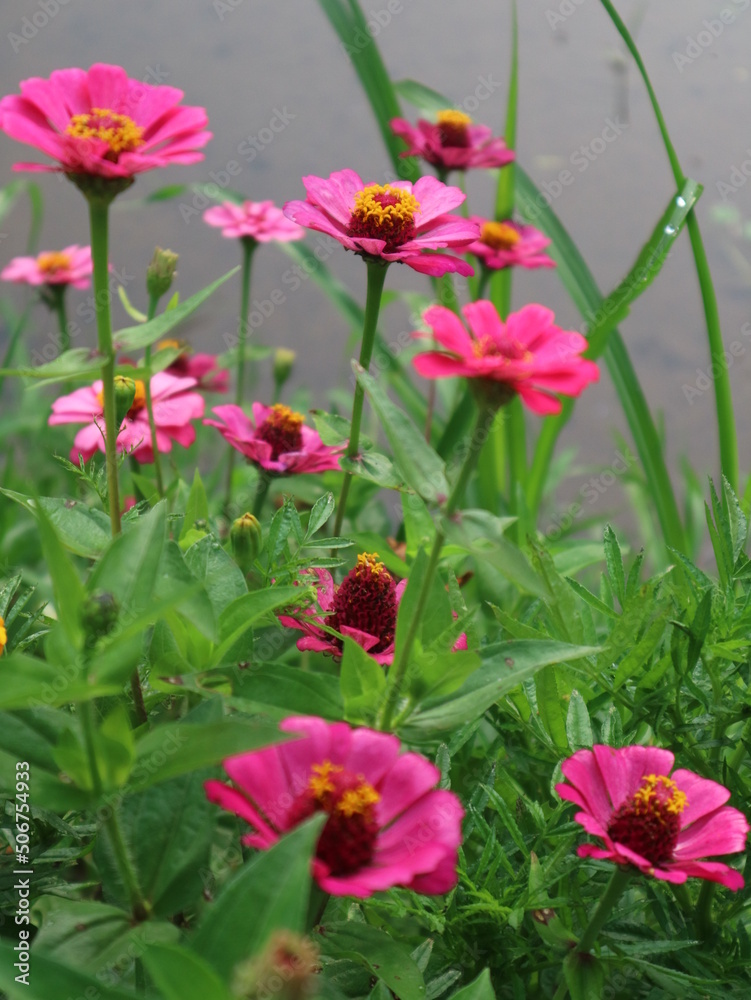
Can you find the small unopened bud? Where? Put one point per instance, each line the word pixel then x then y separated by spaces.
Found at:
pixel 246 539
pixel 284 362
pixel 160 272
pixel 285 970
pixel 99 613
pixel 125 393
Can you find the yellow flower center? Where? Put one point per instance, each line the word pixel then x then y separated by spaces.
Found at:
pixel 120 132
pixel 452 125
pixel 369 562
pixel 335 791
pixel 384 212
pixel 649 822
pixel 139 400
pixel 499 235
pixel 656 790
pixel 53 261
pixel 171 343
pixel 3 635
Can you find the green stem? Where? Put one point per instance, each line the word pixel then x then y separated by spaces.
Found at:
pixel 399 667
pixel 248 245
pixel 85 713
pixel 704 922
pixel 62 319
pixel 153 300
pixel 99 222
pixel 262 489
pixel 376 278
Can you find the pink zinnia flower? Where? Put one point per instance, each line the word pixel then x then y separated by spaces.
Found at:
pixel 203 368
pixel 393 222
pixel 453 142
pixel 100 122
pixel 388 825
pixel 174 408
pixel 276 439
pixel 527 354
pixel 363 607
pixel 71 266
pixel 260 220
pixel 662 825
pixel 509 244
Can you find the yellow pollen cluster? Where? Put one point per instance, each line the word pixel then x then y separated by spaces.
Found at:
pixel 171 343
pixel 356 801
pixel 283 418
pixel 385 204
pixel 3 635
pixel 656 788
pixel 320 781
pixel 369 560
pixel 139 400
pixel 452 117
pixel 53 261
pixel 119 131
pixel 499 235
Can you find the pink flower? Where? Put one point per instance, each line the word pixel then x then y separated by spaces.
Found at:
pixel 174 408
pixel 659 824
pixel 509 244
pixel 393 222
pixel 71 266
pixel 276 439
pixel 201 367
pixel 100 122
pixel 260 220
pixel 453 142
pixel 387 826
pixel 527 354
pixel 363 607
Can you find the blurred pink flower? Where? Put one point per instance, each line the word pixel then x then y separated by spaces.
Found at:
pixel 509 244
pixel 453 142
pixel 388 825
pixel 202 367
pixel 71 266
pixel 175 406
pixel 261 220
pixel 393 222
pixel 100 122
pixel 662 825
pixel 527 354
pixel 276 439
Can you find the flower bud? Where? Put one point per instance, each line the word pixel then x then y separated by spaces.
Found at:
pixel 284 361
pixel 160 272
pixel 99 613
pixel 285 970
pixel 246 539
pixel 125 393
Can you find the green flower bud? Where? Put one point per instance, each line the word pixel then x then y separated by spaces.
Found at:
pixel 284 361
pixel 99 613
pixel 160 272
pixel 246 539
pixel 125 394
pixel 285 970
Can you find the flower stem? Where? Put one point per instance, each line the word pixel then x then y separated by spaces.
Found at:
pixel 99 222
pixel 704 922
pixel 248 245
pixel 62 319
pixel 376 278
pixel 399 667
pixel 153 300
pixel 262 489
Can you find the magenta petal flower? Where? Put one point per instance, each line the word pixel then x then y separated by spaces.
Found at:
pixel 71 266
pixel 664 826
pixel 509 244
pixel 204 368
pixel 394 222
pixel 527 354
pixel 453 142
pixel 175 406
pixel 276 439
pixel 387 826
pixel 100 122
pixel 260 220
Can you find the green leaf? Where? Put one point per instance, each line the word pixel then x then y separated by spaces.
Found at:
pixel 287 690
pixel 479 989
pixel 217 571
pixel 426 101
pixel 386 958
pixel 614 563
pixel 76 363
pixel 322 510
pixel 578 725
pixel 10 194
pixel 26 682
pixel 49 978
pixel 148 333
pixel 362 682
pixel 270 892
pixel 67 586
pixel 128 306
pixel 80 529
pixel 129 567
pixel 550 689
pixel 246 611
pixel 181 975
pixel 197 506
pixel 585 976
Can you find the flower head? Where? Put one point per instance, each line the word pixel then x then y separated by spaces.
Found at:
pixel 260 220
pixel 387 824
pixel 527 354
pixel 661 824
pixel 71 266
pixel 204 368
pixel 452 142
pixel 175 406
pixel 100 122
pixel 509 244
pixel 276 439
pixel 391 222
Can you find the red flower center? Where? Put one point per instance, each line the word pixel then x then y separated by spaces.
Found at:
pixel 649 823
pixel 120 132
pixel 348 838
pixel 139 400
pixel 282 430
pixel 53 261
pixel 487 347
pixel 366 600
pixel 499 235
pixel 452 127
pixel 383 212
